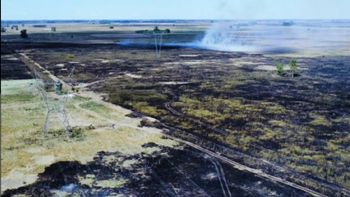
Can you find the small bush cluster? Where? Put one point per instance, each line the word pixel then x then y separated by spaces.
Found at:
pixel 293 66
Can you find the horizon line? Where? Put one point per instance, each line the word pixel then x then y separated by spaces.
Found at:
pixel 173 19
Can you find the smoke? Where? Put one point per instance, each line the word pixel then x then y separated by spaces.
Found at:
pixel 278 36
pixel 240 32
pixel 227 35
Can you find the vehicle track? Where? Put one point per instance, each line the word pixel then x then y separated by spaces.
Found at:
pixel 242 167
pixel 177 113
pixel 221 176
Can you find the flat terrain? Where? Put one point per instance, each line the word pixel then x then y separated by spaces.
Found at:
pixel 25 152
pixel 108 153
pixel 233 104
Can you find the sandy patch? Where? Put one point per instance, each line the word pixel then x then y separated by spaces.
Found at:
pixel 133 75
pixel 16 179
pixel 266 67
pixel 173 83
pixel 12 59
pixel 44 160
pixel 188 55
pixel 59 65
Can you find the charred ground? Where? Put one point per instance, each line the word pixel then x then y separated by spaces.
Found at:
pixel 169 172
pixel 232 103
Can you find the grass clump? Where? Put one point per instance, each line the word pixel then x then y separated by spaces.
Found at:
pixel 127 97
pixel 278 123
pixel 145 108
pixel 69 57
pixel 13 98
pixel 111 183
pixel 275 109
pixel 96 107
pixel 320 121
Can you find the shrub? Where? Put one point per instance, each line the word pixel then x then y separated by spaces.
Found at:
pixel 280 68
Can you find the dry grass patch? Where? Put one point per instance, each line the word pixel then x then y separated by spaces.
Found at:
pixel 25 152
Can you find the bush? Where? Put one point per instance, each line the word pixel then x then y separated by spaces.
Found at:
pixel 24 33
pixel 280 68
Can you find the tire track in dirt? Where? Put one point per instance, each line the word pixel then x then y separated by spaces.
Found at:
pixel 242 167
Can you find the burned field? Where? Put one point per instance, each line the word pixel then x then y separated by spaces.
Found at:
pixel 235 104
pixel 13 68
pixel 182 171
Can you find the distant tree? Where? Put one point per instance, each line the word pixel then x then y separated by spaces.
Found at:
pixel 142 31
pixel 24 33
pixel 3 29
pixel 280 68
pixel 111 27
pixel 156 29
pixel 293 67
pixel 167 31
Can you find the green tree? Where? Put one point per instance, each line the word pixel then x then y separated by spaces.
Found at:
pixel 293 67
pixel 280 68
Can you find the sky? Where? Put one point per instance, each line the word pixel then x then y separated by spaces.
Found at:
pixel 174 9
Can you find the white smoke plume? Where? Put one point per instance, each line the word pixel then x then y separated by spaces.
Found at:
pixel 226 35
